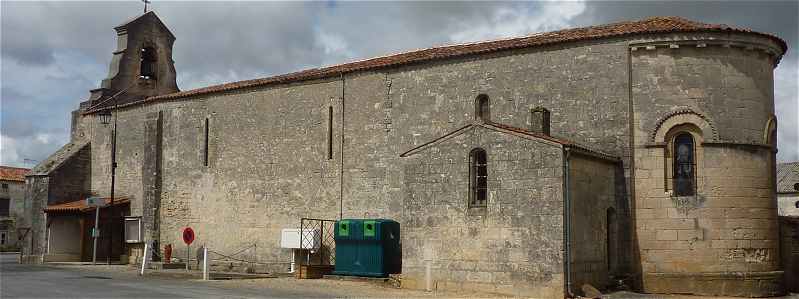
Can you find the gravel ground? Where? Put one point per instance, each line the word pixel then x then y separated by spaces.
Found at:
pixel 625 295
pixel 316 288
pixel 344 288
pixel 304 288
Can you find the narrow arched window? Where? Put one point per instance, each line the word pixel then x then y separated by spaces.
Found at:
pixel 684 165
pixel 148 58
pixel 478 182
pixel 482 108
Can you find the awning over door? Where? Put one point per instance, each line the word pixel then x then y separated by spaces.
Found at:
pixel 80 206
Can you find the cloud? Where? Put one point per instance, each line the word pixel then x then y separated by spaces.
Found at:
pixel 28 150
pixel 519 21
pixel 53 53
pixel 240 40
pixel 786 107
pixel 380 28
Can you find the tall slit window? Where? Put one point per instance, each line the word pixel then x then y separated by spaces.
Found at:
pixel 684 165
pixel 478 183
pixel 205 143
pixel 330 132
pixel 147 68
pixel 482 108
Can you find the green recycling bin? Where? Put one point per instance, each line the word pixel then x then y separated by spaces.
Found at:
pixel 368 247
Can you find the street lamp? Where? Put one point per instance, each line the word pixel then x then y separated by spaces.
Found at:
pixel 106 114
pixel 105 117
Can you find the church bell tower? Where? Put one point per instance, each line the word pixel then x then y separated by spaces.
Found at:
pixel 142 64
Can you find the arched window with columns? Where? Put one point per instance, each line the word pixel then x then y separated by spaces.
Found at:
pixel 682 135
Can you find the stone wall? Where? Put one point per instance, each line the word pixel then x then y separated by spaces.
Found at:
pixel 593 199
pixel 513 245
pixel 723 96
pixel 70 181
pixel 268 146
pixel 15 193
pixel 64 176
pixel 269 164
pixel 123 80
pixel 267 167
pixel 787 204
pixel 130 147
pixel 36 192
pixel 789 251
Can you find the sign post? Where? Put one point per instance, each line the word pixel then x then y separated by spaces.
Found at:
pixel 188 237
pixel 95 202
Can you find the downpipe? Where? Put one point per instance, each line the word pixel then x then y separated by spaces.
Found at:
pixel 567 225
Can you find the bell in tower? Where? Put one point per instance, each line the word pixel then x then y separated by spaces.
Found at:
pixel 148 60
pixel 142 64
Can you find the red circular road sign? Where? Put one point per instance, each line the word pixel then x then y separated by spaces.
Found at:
pixel 188 235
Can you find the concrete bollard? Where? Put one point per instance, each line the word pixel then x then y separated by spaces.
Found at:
pixel 428 276
pixel 144 258
pixel 205 263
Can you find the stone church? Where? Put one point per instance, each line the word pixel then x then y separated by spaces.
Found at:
pixel 640 151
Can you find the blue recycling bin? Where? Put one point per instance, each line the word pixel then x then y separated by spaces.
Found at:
pixel 368 247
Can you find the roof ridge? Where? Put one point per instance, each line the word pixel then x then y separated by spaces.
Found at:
pixel 651 25
pixel 560 140
pixel 14 167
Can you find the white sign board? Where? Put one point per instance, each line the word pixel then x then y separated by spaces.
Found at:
pixel 95 202
pixel 290 238
pixel 132 229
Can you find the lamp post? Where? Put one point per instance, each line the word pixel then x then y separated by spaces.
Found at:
pixel 105 119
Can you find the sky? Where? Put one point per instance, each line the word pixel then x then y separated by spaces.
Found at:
pixel 53 53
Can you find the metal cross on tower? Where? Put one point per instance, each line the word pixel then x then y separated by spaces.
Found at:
pixel 145 4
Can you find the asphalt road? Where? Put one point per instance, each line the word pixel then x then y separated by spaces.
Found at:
pixel 38 281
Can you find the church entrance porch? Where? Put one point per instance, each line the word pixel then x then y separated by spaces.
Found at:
pixel 70 226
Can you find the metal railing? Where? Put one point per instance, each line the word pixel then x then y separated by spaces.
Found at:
pixel 321 248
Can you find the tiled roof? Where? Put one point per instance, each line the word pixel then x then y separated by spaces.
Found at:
pixel 563 142
pixel 13 173
pixel 507 129
pixel 80 205
pixel 529 133
pixel 647 26
pixel 787 177
pixel 55 160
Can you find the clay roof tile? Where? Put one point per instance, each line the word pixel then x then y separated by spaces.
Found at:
pixel 650 25
pixel 787 177
pixel 80 205
pixel 13 173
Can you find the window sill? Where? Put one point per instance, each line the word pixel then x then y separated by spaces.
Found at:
pixel 688 202
pixel 477 210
